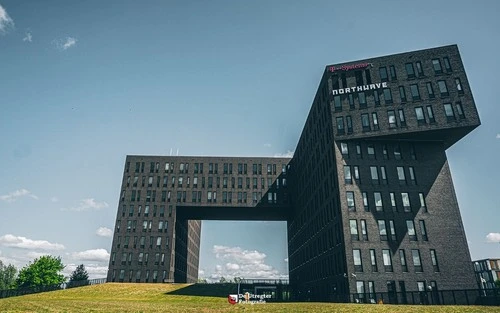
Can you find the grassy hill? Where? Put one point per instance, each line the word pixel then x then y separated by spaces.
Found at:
pixel 115 297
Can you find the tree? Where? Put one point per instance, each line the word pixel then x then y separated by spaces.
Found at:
pixel 222 280
pixel 79 277
pixel 42 272
pixel 497 283
pixel 7 276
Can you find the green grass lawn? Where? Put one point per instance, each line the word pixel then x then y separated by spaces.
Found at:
pixel 115 297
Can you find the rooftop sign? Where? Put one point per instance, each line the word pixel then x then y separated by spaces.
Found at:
pixel 359 88
pixel 348 67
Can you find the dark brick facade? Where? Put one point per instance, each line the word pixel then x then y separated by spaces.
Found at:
pixel 369 183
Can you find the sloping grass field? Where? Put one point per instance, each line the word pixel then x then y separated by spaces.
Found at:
pixel 128 297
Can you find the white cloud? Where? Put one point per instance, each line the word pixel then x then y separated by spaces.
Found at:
pixel 65 44
pixel 493 237
pixel 94 270
pixel 498 136
pixel 54 199
pixel 98 255
pixel 5 20
pixel 288 154
pixel 242 263
pixel 10 240
pixel 28 36
pixel 35 254
pixel 104 232
pixel 86 205
pixel 267 145
pixel 13 196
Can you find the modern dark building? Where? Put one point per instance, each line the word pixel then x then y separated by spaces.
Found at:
pixel 368 196
pixel 487 272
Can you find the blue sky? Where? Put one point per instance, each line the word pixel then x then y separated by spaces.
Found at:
pixel 84 83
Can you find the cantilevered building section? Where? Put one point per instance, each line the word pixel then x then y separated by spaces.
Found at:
pixel 368 196
pixel 374 205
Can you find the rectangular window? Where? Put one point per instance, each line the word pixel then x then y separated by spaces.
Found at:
pixel 402 259
pixel 356 173
pixel 412 235
pixel 386 255
pixel 402 93
pixel 436 64
pixel 358 265
pixel 362 99
pixel 392 229
pixel 371 151
pixel 443 89
pixel 383 175
pixel 350 98
pixel 460 110
pixel 350 201
pixel 401 175
pixel 344 148
pixel 337 103
pixel 353 225
pixel 419 112
pixel 393 202
pixel 423 206
pixel 378 201
pixel 430 90
pixel 365 122
pixel 459 86
pixel 347 174
pixel 373 260
pixel 434 260
pixel 349 124
pixel 423 230
pixel 397 152
pixel 382 230
pixel 420 71
pixel 392 71
pixel 406 201
pixel 447 64
pixel 402 119
pixel 410 71
pixel 448 111
pixel 430 114
pixel 358 151
pixel 415 253
pixel 376 97
pixel 383 74
pixel 413 180
pixel 391 116
pixel 384 152
pixel 387 96
pixel 365 202
pixel 364 232
pixel 375 121
pixel 368 76
pixel 374 175
pixel 415 92
pixel 359 78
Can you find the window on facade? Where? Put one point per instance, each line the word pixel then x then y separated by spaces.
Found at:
pixel 402 93
pixel 387 96
pixel 423 206
pixel 415 253
pixel 436 64
pixel 378 201
pixel 448 111
pixel 350 201
pixel 349 124
pixel 412 175
pixel 423 230
pixel 459 86
pixel 353 226
pixel 365 202
pixel 375 121
pixel 358 265
pixel 402 119
pixel 392 229
pixel 412 235
pixel 447 64
pixel 358 150
pixel 393 202
pixel 430 113
pixel 350 98
pixel 382 230
pixel 391 116
pixel 337 103
pixel 401 175
pixel 374 174
pixel 434 260
pixel 419 112
pixel 356 173
pixel 368 76
pixel 376 97
pixel 392 71
pixel 410 71
pixel 386 256
pixel 364 232
pixel 383 74
pixel 365 122
pixel 420 71
pixel 344 148
pixel 373 260
pixel 460 110
pixel 371 151
pixel 415 92
pixel 397 152
pixel 443 89
pixel 383 175
pixel 406 201
pixel 402 259
pixel 362 99
pixel 347 174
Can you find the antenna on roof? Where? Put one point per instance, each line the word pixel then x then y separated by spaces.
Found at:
pixel 170 151
pixel 177 151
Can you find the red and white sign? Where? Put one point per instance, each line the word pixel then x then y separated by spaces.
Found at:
pixel 348 67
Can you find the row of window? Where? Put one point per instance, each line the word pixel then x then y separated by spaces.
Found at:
pixel 213 168
pixel 371 150
pixel 146 225
pixel 227 197
pixel 379 203
pixel 370 122
pixel 368 290
pixel 209 181
pixel 388 262
pixel 139 276
pixel 140 242
pixel 387 230
pixel 352 172
pixel 361 98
